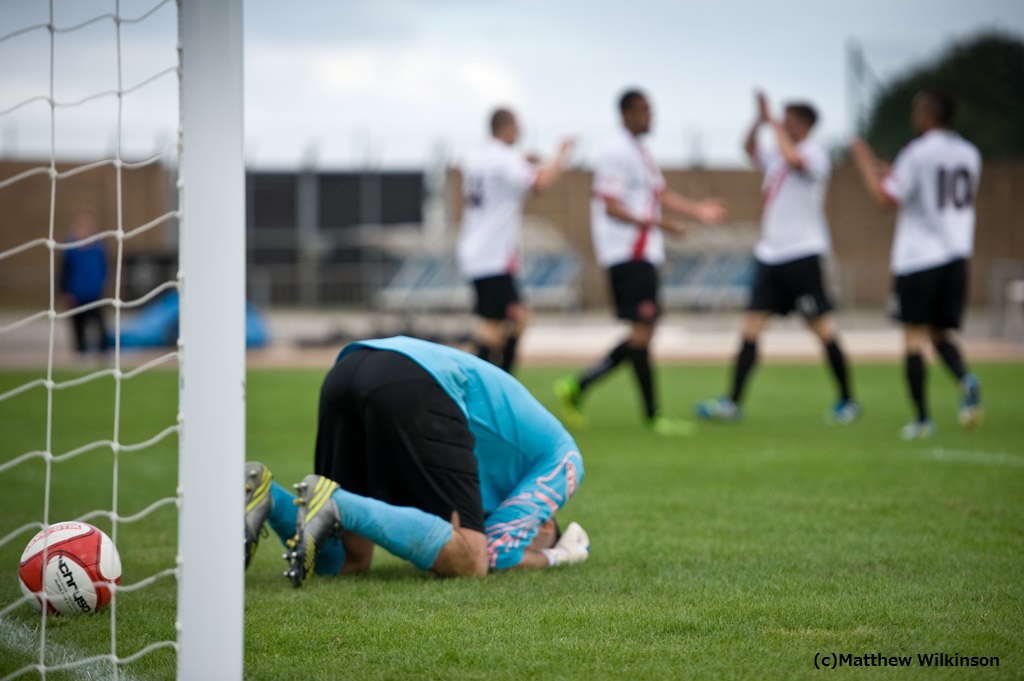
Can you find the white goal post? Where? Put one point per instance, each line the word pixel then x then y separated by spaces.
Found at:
pixel 212 339
pixel 207 73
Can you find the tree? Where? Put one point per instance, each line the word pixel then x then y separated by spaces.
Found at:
pixel 985 74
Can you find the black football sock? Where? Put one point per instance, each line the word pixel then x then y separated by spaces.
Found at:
pixel 484 352
pixel 508 356
pixel 837 360
pixel 745 361
pixel 915 381
pixel 641 360
pixel 950 354
pixel 606 364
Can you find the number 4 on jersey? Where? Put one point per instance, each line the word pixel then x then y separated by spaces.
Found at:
pixel 475 191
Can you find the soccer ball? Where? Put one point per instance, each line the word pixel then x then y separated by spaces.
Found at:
pixel 81 567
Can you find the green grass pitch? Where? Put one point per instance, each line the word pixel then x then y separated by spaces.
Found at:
pixel 739 553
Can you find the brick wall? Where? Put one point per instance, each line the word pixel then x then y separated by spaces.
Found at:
pixel 25 215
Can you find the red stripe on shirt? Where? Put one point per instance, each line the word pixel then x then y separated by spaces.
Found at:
pixel 773 189
pixel 640 245
pixel 513 263
pixel 892 200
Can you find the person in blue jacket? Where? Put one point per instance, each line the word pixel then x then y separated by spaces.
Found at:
pixel 83 279
pixel 436 455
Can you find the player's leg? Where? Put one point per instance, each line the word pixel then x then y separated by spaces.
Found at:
pixel 338 446
pixel 426 465
pixel 464 555
pixel 634 304
pixel 78 324
pixel 101 328
pixel 641 334
pixel 948 350
pixel 805 282
pixel 517 319
pixel 90 329
pixel 947 316
pixel 490 338
pixel 267 502
pixel 752 325
pixel 912 304
pixel 915 339
pixel 766 298
pixel 601 368
pixel 495 299
pixel 635 286
pixel 339 454
pixel 258 503
pixel 641 296
pixel 429 542
pixel 630 305
pixel 846 409
pixel 727 408
pixel 419 468
pixel 570 390
pixel 358 553
pixel 489 334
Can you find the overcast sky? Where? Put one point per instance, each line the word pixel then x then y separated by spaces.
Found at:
pixel 403 83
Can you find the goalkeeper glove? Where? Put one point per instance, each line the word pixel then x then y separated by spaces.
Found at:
pixel 572 547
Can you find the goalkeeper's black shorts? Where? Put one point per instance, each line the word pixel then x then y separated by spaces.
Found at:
pixel 387 430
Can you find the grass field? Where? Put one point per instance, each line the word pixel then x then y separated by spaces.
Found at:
pixel 739 553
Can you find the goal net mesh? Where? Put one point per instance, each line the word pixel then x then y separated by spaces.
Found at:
pixel 90 122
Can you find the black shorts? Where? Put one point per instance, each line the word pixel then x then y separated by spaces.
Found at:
pixel 495 295
pixel 387 430
pixel 934 297
pixel 635 290
pixel 794 285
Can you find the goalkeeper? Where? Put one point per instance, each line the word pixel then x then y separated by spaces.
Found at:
pixel 440 457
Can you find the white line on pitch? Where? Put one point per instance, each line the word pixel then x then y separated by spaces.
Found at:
pixel 969 456
pixel 17 638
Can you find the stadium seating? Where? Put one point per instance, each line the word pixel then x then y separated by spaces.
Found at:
pixel 431 282
pixel 707 281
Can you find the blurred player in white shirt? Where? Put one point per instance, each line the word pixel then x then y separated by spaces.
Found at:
pixel 496 180
pixel 626 221
pixel 933 183
pixel 794 237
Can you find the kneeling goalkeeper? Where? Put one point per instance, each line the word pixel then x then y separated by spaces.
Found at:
pixel 441 458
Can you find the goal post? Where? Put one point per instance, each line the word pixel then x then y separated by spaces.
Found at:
pixel 212 339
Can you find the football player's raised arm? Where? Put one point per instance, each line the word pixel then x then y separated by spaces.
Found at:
pixel 549 174
pixel 787 147
pixel 750 144
pixel 869 168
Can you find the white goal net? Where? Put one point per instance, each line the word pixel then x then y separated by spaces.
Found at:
pixel 121 137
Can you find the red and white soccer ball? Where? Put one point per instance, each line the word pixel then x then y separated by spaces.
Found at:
pixel 81 566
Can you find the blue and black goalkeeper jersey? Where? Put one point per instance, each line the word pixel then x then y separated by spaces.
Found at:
pixel 528 463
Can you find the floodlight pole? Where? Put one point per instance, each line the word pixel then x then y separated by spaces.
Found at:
pixel 212 377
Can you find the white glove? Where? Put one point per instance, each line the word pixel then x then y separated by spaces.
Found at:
pixel 572 547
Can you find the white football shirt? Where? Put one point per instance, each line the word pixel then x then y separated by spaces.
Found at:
pixel 626 172
pixel 793 223
pixel 934 181
pixel 495 182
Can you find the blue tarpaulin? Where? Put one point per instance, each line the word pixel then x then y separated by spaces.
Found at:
pixel 156 325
